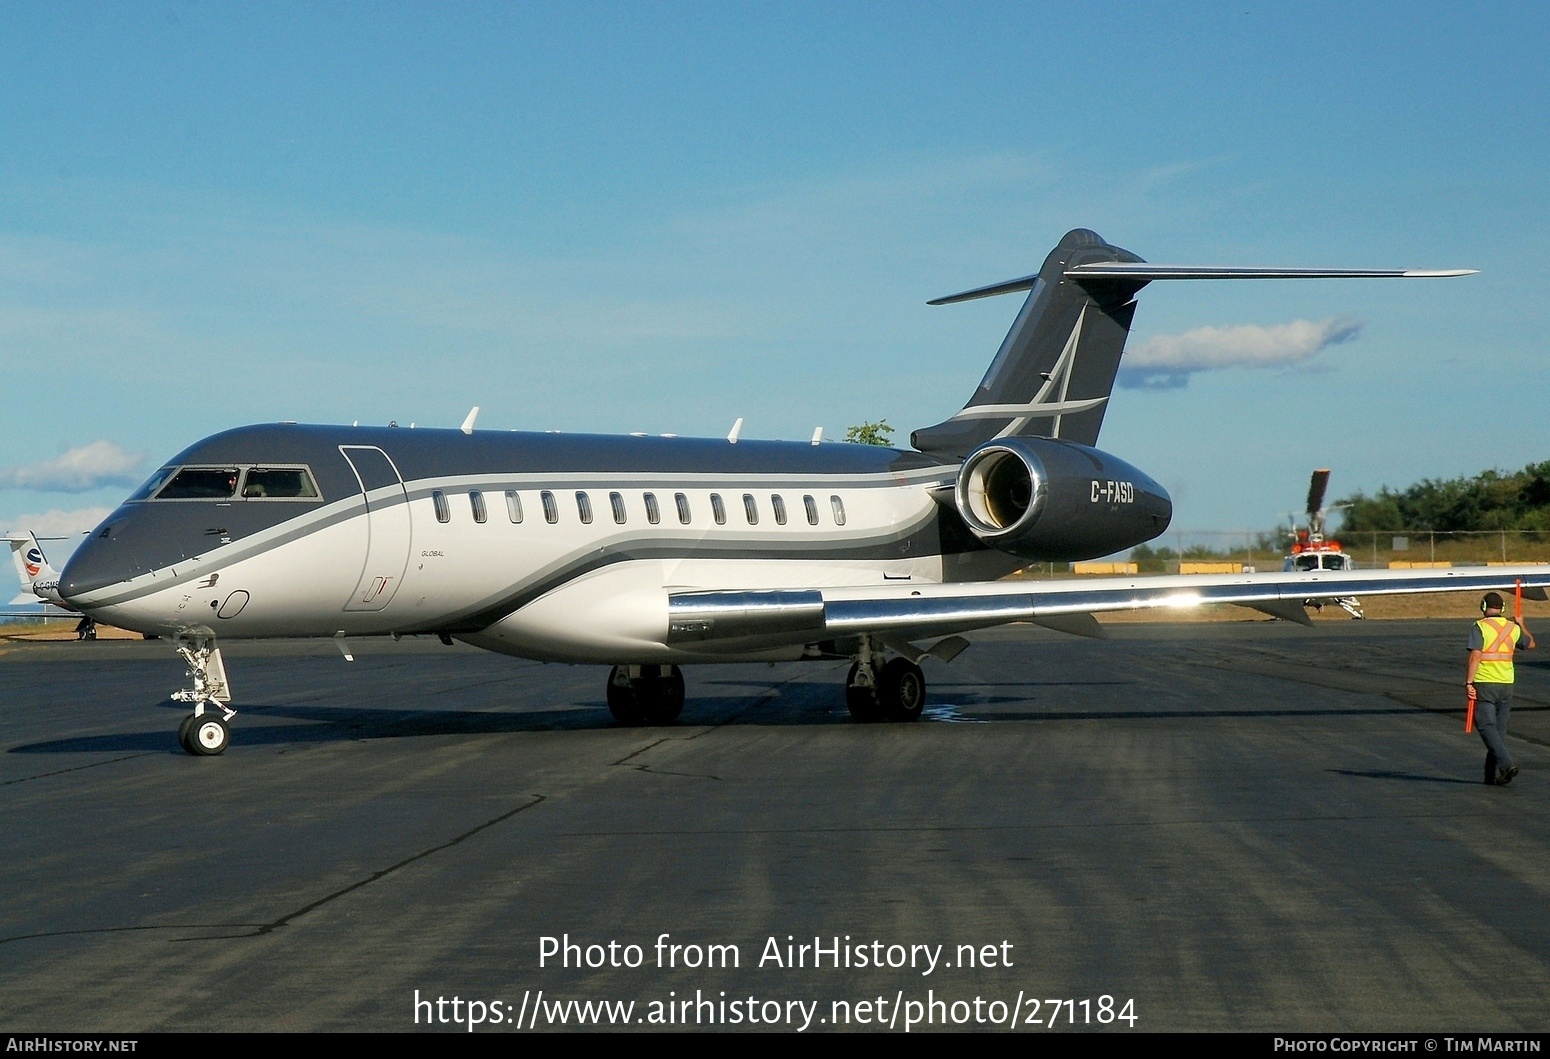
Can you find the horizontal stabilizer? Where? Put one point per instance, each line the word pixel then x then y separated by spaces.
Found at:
pixel 1145 270
pixel 1011 286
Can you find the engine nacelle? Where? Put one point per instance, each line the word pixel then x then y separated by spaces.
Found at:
pixel 1042 498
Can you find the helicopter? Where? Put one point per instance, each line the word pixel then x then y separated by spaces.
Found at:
pixel 1311 550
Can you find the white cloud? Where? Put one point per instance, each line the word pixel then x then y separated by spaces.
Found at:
pixel 86 467
pixel 1167 361
pixel 56 523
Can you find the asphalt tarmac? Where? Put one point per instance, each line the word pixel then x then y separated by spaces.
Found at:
pixel 1247 826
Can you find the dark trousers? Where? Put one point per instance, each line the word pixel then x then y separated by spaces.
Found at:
pixel 1493 708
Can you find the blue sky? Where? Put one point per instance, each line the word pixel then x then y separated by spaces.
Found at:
pixel 662 217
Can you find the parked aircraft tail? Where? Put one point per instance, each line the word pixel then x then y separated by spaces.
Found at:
pixel 1056 367
pixel 1052 376
pixel 31 568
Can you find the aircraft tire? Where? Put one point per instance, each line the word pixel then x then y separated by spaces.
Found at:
pixel 862 702
pixel 624 700
pixel 901 690
pixel 208 736
pixel 662 696
pixel 183 727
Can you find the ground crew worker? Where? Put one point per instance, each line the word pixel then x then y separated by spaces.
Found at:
pixel 1491 643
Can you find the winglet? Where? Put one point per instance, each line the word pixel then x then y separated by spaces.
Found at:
pixel 737 428
pixel 817 435
pixel 468 424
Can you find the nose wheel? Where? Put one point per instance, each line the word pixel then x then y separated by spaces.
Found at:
pixel 204 736
pixel 203 733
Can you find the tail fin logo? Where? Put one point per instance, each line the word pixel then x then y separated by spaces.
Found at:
pixel 33 562
pixel 1050 402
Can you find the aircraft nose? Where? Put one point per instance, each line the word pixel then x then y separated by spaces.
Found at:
pixel 100 561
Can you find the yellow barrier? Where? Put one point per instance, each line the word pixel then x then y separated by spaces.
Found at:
pixel 1419 566
pixel 1210 568
pixel 1105 568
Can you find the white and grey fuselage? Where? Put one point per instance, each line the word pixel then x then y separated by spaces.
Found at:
pixel 550 546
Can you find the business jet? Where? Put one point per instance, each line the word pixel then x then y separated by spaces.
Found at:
pixel 650 553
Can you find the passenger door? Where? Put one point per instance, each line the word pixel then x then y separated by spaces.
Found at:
pixel 388 535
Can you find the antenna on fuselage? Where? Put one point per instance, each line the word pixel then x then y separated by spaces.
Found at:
pixel 737 428
pixel 468 424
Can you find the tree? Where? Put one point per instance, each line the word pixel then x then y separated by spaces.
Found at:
pixel 878 433
pixel 1518 500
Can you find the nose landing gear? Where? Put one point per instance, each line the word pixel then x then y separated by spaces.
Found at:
pixel 200 734
pixel 645 694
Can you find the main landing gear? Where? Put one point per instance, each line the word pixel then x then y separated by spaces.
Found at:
pixel 202 733
pixel 884 691
pixel 645 694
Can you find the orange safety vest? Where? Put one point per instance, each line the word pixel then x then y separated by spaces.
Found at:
pixel 1500 638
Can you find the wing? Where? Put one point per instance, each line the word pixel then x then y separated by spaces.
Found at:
pixel 741 620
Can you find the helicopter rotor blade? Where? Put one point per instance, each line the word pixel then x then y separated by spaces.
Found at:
pixel 1316 488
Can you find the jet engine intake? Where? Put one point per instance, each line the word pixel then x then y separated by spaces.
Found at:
pixel 1002 490
pixel 1052 500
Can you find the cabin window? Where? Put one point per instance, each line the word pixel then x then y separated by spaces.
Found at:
pixel 201 483
pixel 718 510
pixel 277 483
pixel 443 509
pixel 812 510
pixel 551 509
pixel 779 507
pixel 476 505
pixel 616 502
pixel 683 507
pixel 653 512
pixel 584 507
pixel 838 506
pixel 751 509
pixel 513 506
pixel 153 483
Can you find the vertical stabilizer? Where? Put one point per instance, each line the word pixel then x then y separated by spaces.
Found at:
pixel 31 567
pixel 1055 370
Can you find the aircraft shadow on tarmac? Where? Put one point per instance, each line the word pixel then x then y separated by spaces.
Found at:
pixel 789 704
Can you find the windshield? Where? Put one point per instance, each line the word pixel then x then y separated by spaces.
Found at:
pixel 288 483
pixel 201 483
pixel 153 483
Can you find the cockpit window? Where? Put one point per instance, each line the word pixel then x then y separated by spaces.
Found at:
pixel 201 483
pixel 153 483
pixel 1307 562
pixel 272 483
